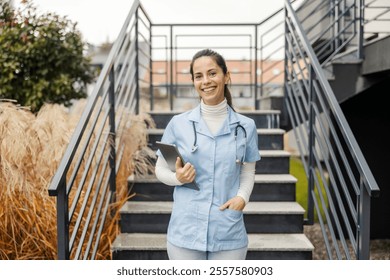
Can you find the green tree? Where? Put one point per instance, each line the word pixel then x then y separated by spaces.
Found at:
pixel 42 57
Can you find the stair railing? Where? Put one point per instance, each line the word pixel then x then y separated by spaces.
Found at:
pixel 376 19
pixel 85 183
pixel 341 184
pixel 343 26
pixel 254 52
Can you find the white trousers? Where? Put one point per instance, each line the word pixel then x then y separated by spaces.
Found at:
pixel 179 253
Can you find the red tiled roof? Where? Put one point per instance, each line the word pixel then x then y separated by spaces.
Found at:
pixel 239 72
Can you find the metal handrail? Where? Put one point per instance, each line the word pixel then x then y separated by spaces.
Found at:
pixel 340 181
pixel 260 51
pixel 174 48
pixel 86 177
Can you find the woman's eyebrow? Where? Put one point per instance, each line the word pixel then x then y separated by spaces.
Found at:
pixel 208 70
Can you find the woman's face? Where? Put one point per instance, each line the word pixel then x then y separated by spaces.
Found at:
pixel 209 80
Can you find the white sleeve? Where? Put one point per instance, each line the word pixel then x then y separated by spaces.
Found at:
pixel 164 174
pixel 247 180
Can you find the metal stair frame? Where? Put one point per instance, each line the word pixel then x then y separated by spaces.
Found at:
pixel 271 216
pixel 118 93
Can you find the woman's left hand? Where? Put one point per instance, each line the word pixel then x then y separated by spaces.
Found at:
pixel 235 203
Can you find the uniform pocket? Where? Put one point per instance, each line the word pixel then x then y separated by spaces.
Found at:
pixel 231 226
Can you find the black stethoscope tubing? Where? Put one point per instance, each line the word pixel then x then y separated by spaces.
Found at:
pixel 195 145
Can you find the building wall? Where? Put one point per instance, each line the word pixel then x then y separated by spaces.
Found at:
pixel 368 115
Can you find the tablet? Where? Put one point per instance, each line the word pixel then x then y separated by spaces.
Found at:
pixel 170 154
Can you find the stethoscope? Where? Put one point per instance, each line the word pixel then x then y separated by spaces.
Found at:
pixel 238 161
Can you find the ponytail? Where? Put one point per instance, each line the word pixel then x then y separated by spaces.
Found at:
pixel 228 97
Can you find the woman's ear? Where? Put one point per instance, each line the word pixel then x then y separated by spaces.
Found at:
pixel 227 77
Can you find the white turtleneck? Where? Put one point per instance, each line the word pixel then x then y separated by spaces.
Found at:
pixel 214 116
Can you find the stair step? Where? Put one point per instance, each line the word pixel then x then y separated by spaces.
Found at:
pixel 273 162
pixel 274 217
pixel 279 246
pixel 165 207
pixel 268 139
pixel 262 118
pixel 267 187
pixel 152 246
pixel 274 187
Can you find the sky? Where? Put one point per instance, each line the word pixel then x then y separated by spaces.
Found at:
pixel 100 21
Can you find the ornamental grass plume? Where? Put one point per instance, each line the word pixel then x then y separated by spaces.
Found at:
pixel 31 148
pixel 27 221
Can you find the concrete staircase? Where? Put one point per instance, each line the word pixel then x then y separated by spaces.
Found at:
pixel 274 220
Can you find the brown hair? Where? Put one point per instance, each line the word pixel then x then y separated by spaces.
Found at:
pixel 220 61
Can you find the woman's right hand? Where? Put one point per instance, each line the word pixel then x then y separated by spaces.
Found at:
pixel 185 174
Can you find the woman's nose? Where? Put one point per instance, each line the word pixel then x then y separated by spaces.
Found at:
pixel 206 79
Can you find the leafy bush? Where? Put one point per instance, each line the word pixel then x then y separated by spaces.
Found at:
pixel 42 58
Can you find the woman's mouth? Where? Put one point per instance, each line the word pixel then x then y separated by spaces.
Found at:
pixel 206 90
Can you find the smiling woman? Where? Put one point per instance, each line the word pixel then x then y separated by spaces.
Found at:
pixel 208 223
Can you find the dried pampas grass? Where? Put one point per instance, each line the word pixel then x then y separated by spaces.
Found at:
pixel 31 148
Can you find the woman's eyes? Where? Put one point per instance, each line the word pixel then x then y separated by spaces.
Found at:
pixel 211 74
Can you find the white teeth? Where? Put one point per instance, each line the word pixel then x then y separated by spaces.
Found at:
pixel 208 89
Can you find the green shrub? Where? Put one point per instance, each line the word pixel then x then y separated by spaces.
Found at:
pixel 42 58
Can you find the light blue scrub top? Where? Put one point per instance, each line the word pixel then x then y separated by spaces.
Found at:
pixel 196 221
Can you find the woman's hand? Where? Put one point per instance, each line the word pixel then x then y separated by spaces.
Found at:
pixel 185 174
pixel 235 203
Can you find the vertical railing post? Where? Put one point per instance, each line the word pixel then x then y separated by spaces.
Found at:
pixel 361 4
pixel 256 99
pixel 286 49
pixel 62 222
pixel 151 70
pixel 343 22
pixel 171 69
pixel 137 91
pixel 363 229
pixel 312 100
pixel 111 100
pixel 336 27
pixel 261 69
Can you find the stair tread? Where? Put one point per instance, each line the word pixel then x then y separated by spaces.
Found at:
pixel 264 131
pixel 279 241
pixel 253 207
pixel 274 153
pixel 257 112
pixel 259 178
pixel 257 242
